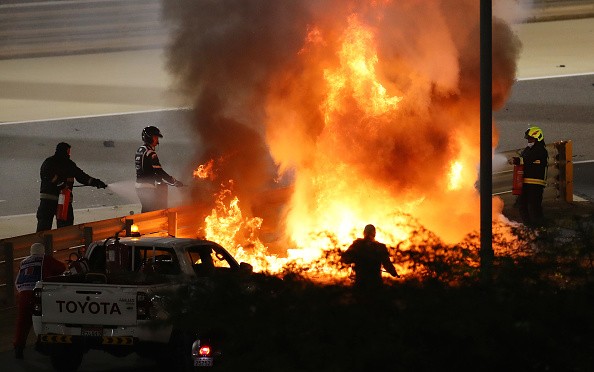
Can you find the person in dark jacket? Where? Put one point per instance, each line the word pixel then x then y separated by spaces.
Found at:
pixel 59 172
pixel 534 158
pixel 369 256
pixel 151 179
pixel 32 269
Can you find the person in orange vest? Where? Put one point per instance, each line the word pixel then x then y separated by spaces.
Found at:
pixel 369 256
pixel 58 172
pixel 534 158
pixel 36 267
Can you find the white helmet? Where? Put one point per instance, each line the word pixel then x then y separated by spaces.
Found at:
pixel 37 249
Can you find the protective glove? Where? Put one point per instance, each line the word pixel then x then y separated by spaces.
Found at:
pixel 178 183
pixel 98 183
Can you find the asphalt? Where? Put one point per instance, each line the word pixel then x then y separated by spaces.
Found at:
pixel 39 89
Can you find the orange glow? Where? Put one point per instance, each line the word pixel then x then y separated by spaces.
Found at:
pixel 326 209
pixel 356 74
pixel 455 181
pixel 227 226
pixel 364 130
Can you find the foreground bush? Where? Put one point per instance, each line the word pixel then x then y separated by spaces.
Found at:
pixel 536 314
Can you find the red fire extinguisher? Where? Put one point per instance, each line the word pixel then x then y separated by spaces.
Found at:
pixel 63 203
pixel 518 180
pixel 118 258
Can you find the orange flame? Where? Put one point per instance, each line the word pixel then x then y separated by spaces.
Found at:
pixel 340 208
pixel 205 171
pixel 356 75
pixel 227 226
pixel 341 140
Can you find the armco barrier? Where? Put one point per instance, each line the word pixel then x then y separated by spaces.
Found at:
pixel 185 221
pixel 180 222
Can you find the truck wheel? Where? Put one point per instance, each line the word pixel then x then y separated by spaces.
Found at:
pixel 66 360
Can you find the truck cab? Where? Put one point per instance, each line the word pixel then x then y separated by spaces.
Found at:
pixel 161 255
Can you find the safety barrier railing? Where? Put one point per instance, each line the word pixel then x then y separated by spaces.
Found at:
pixel 178 222
pixel 186 221
pixel 554 10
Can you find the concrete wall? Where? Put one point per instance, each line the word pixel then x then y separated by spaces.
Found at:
pixel 61 27
pixel 30 28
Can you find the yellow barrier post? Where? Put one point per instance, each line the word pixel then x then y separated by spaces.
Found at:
pixel 87 235
pixel 568 171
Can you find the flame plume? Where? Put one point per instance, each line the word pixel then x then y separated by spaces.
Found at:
pixel 363 111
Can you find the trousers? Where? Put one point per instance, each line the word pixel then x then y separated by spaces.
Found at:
pixel 46 212
pixel 530 203
pixel 23 321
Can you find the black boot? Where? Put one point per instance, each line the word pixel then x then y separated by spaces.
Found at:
pixel 18 352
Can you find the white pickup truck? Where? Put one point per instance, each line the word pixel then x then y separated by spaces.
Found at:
pixel 113 306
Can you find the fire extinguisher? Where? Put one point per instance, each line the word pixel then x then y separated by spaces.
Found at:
pixel 118 258
pixel 63 203
pixel 518 179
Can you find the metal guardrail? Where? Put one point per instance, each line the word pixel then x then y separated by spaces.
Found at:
pixel 180 222
pixel 184 221
pixel 554 10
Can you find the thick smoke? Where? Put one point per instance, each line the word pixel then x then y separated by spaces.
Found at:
pixel 223 54
pixel 257 72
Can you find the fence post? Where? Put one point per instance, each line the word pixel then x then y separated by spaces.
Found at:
pixel 172 223
pixel 129 223
pixel 9 262
pixel 568 171
pixel 88 235
pixel 48 241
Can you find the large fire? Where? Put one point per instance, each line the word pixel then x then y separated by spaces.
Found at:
pixel 366 121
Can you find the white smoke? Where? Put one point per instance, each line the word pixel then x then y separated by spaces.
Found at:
pixel 124 189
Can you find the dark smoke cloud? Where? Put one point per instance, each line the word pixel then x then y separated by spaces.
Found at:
pixel 223 54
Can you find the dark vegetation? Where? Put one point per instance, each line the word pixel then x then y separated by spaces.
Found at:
pixel 536 314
